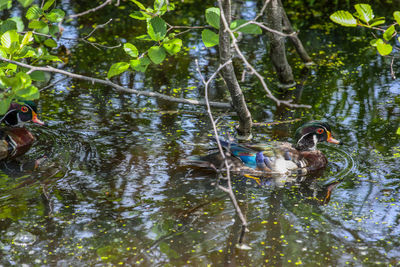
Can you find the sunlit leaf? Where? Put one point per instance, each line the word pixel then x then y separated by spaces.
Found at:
pixel 388 34
pixel 140 15
pixel 37 24
pixel 50 58
pixel 8 38
pixel 377 21
pixel 27 38
pixel 140 64
pixel 131 50
pixel 48 4
pixel 4 105
pixel 34 12
pixel 140 5
pixel 5 4
pixel 173 46
pixel 398 131
pixel 25 3
pixel 157 28
pixel 213 17
pixel 8 25
pixel 117 69
pixel 50 43
pixel 364 12
pixel 55 15
pixel 250 28
pixel 344 18
pixel 28 93
pixel 384 49
pixel 157 54
pixel 38 75
pixel 396 16
pixel 209 38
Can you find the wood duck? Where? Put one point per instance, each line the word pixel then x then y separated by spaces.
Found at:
pixel 15 140
pixel 276 157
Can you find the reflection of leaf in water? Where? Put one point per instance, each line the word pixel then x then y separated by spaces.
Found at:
pixel 167 250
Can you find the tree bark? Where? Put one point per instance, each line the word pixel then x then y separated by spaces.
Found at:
pixel 229 76
pixel 294 38
pixel 274 19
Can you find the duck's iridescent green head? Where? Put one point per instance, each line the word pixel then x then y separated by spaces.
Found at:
pixel 309 134
pixel 18 114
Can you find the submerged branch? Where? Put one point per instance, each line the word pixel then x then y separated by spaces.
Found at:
pixel 119 87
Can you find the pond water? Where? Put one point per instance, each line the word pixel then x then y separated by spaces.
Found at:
pixel 110 189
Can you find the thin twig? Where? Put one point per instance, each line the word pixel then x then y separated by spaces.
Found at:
pixel 119 87
pixel 391 69
pixel 90 10
pixel 52 84
pixel 229 180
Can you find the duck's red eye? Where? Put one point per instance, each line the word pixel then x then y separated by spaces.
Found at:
pixel 320 131
pixel 24 109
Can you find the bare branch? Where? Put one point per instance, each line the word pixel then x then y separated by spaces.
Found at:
pixel 119 87
pixel 89 10
pixel 229 180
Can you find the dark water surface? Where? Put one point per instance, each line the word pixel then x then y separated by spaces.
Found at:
pixel 111 190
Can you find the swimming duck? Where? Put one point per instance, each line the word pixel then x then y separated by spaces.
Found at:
pixel 15 140
pixel 276 157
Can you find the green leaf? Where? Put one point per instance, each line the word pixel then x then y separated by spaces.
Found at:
pixel 50 43
pixel 173 46
pixel 117 69
pixel 140 64
pixel 131 50
pixel 5 4
pixel 8 38
pixel 48 4
pixel 27 38
pixel 8 25
pixel 213 17
pixel 383 48
pixel 377 21
pixel 388 34
pixel 344 18
pixel 19 22
pixel 140 15
pixel 250 29
pixel 37 24
pixel 4 105
pixel 396 16
pixel 55 15
pixel 38 75
pixel 209 38
pixel 398 131
pixel 157 28
pixel 140 5
pixel 364 12
pixel 157 54
pixel 30 92
pixel 34 12
pixel 50 58
pixel 25 3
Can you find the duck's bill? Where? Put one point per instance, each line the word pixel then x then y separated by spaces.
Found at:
pixel 35 119
pixel 332 140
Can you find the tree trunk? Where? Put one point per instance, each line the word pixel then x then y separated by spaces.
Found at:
pixel 229 76
pixel 274 19
pixel 295 39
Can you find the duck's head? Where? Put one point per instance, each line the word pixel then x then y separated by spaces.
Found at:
pixel 18 114
pixel 309 134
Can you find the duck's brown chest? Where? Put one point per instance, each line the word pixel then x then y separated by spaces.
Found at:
pixel 14 142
